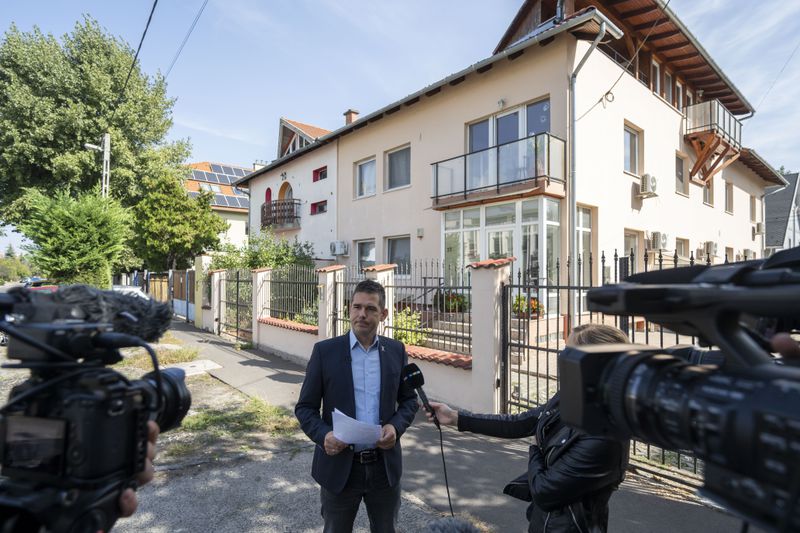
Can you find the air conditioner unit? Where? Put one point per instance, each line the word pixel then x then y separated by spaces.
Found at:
pixel 711 248
pixel 759 228
pixel 748 254
pixel 339 248
pixel 659 241
pixel 647 186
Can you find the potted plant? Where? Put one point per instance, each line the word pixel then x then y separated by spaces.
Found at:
pixel 450 301
pixel 525 307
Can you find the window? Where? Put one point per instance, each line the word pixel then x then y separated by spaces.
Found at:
pixel 682 247
pixel 729 197
pixel 655 78
pixel 365 179
pixel 268 195
pixel 679 96
pixel 668 87
pixel 689 99
pixel 630 253
pixel 583 230
pixel 680 179
pixel 538 117
pixel 319 207
pixel 729 254
pixel 320 174
pixel 366 254
pixel 398 165
pixel 708 193
pixel 399 252
pixel 631 151
pixel 752 208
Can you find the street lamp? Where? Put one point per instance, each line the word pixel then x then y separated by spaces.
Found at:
pixel 104 147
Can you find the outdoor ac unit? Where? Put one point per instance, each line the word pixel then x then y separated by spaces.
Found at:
pixel 648 186
pixel 748 254
pixel 711 248
pixel 339 248
pixel 759 228
pixel 659 241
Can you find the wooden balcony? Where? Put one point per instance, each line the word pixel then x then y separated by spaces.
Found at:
pixel 715 135
pixel 281 215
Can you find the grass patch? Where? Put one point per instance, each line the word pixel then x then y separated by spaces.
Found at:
pixel 165 357
pixel 182 449
pixel 169 338
pixel 255 416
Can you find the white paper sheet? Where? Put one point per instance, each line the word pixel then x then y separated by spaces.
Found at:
pixel 352 431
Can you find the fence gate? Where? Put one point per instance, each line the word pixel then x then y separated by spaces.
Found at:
pixel 536 310
pixel 158 286
pixel 236 304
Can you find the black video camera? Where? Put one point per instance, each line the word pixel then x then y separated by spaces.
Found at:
pixel 73 436
pixel 742 417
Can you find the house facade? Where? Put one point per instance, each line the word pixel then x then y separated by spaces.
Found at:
pixel 229 202
pixel 783 209
pixel 612 109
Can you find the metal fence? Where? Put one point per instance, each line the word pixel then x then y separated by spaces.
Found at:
pixel 344 284
pixel 236 304
pixel 536 326
pixel 293 294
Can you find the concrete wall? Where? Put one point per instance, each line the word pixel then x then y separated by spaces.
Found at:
pixel 292 345
pixel 447 384
pixel 237 230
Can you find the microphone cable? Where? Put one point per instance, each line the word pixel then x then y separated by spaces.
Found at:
pixel 444 467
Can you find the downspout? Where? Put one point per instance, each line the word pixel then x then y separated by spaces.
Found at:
pixel 573 200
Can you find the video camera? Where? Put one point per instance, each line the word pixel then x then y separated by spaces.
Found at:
pixel 741 417
pixel 73 436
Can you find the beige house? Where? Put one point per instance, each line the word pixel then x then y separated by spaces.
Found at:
pixel 229 202
pixel 609 110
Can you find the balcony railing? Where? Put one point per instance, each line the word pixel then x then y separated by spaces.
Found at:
pixel 532 158
pixel 713 117
pixel 281 214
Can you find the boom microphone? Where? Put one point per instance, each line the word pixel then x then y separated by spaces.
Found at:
pixel 412 375
pixel 142 317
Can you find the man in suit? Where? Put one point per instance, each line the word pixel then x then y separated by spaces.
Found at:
pixel 359 374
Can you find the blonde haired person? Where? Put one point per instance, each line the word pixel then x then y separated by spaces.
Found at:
pixel 571 475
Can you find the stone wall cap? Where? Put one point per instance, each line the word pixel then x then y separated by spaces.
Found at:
pixel 380 268
pixel 262 269
pixel 456 360
pixel 493 263
pixel 332 268
pixel 216 271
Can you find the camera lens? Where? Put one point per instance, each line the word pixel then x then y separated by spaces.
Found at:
pixel 176 400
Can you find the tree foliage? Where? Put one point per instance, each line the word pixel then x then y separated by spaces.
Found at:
pixel 13 269
pixel 75 240
pixel 56 96
pixel 171 227
pixel 263 250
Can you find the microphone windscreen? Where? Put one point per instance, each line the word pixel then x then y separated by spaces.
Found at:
pixel 412 375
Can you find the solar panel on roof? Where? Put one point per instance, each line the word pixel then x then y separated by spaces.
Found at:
pixel 227 170
pixel 239 172
pixel 224 179
pixel 212 177
pixel 216 168
pixel 198 175
pixel 240 192
pixel 244 202
pixel 231 201
pixel 219 199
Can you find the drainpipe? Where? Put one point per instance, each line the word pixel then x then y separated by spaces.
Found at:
pixel 573 199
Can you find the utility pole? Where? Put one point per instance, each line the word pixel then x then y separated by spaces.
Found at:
pixel 105 147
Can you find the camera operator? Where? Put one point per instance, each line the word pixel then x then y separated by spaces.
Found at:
pixel 128 502
pixel 571 475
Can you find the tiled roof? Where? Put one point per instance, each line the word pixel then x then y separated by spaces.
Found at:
pixel 288 324
pixel 778 207
pixel 331 268
pixel 380 268
pixel 312 131
pixel 493 263
pixel 437 356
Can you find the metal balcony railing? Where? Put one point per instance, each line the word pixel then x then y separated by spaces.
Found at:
pixel 713 117
pixel 538 156
pixel 280 214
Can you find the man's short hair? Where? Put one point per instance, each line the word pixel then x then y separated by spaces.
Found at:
pixel 370 286
pixel 596 334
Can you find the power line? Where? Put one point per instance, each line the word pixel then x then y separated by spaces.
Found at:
pixel 608 95
pixel 135 57
pixel 191 29
pixel 778 76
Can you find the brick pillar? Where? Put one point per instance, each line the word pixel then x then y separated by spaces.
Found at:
pixel 487 323
pixel 327 298
pixel 384 274
pixel 261 298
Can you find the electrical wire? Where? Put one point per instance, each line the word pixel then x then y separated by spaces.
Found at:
pixel 133 63
pixel 778 76
pixel 608 95
pixel 186 38
pixel 444 467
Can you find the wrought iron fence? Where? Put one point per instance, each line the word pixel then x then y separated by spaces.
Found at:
pixel 536 326
pixel 293 294
pixel 236 304
pixel 344 284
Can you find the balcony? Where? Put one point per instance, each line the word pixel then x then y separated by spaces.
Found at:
pixel 280 215
pixel 535 162
pixel 715 135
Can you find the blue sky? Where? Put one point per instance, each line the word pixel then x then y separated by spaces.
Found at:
pixel 250 62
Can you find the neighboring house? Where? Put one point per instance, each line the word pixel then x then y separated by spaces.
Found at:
pixel 783 225
pixel 230 202
pixel 297 199
pixel 477 165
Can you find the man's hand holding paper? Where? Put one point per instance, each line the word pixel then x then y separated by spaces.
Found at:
pixel 352 431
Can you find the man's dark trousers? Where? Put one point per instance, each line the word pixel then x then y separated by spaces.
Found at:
pixel 367 482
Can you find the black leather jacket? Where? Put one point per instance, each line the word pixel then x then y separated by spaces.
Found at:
pixel 570 475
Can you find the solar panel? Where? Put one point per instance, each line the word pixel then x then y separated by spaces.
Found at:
pixel 216 168
pixel 212 177
pixel 219 199
pixel 224 179
pixel 240 192
pixel 244 202
pixel 227 170
pixel 198 175
pixel 239 172
pixel 232 201
pixel 193 194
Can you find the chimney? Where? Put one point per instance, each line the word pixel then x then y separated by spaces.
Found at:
pixel 350 115
pixel 258 164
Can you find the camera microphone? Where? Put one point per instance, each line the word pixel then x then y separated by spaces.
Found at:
pixel 412 375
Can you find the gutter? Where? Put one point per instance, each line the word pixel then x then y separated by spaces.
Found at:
pixel 592 14
pixel 573 198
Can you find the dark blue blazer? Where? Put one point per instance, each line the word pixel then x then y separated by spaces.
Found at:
pixel 329 384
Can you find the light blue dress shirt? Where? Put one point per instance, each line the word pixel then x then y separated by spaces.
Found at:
pixel 366 368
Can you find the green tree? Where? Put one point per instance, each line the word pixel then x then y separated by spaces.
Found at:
pixel 57 95
pixel 172 227
pixel 264 250
pixel 75 240
pixel 13 269
pixel 10 253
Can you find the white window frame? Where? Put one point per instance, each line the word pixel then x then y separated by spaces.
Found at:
pixel 729 197
pixel 635 149
pixel 358 165
pixel 753 209
pixel 401 271
pixel 679 95
pixel 358 252
pixel 386 168
pixel 657 78
pixel 685 190
pixel 708 188
pixel 668 83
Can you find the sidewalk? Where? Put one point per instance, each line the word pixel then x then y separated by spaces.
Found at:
pixel 477 467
